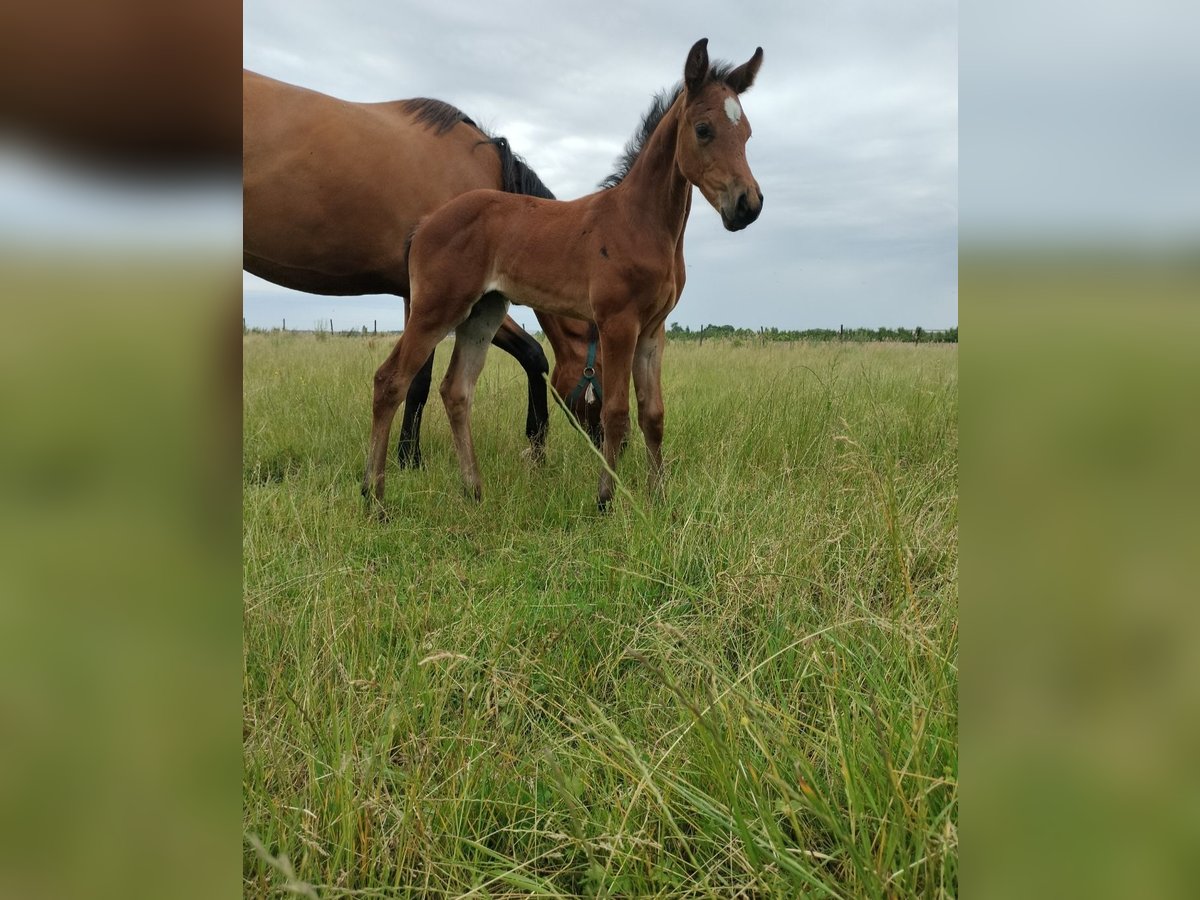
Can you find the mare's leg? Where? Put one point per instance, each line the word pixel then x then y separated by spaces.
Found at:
pixel 471 340
pixel 647 384
pixel 517 342
pixel 392 381
pixel 408 448
pixel 618 337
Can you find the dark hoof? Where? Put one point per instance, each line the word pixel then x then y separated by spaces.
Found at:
pixel 409 458
pixel 603 506
pixel 535 456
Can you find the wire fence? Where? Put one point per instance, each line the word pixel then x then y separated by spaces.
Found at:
pixel 765 335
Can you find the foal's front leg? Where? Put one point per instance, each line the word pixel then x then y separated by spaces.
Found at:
pixel 618 339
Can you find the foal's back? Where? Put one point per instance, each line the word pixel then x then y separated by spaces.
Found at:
pixel 332 189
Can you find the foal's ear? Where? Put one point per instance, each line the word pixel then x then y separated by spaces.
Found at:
pixel 742 77
pixel 695 70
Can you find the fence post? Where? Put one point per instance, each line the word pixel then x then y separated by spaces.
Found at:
pixel 375 327
pixel 285 324
pixel 331 326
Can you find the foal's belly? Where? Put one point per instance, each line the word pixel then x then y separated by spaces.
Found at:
pixel 651 297
pixel 561 301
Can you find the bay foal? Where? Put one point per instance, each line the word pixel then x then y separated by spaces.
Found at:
pixel 615 257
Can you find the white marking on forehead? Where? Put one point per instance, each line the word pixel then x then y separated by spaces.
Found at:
pixel 733 109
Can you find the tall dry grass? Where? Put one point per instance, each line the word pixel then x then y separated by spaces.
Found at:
pixel 749 685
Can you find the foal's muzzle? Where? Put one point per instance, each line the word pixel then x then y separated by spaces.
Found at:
pixel 744 210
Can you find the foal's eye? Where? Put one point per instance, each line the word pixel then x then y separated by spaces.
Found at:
pixel 704 131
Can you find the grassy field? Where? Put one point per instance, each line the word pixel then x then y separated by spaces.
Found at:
pixel 747 687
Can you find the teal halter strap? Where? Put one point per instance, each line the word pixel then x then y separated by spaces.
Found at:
pixel 589 378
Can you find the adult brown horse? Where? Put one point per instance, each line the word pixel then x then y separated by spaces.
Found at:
pixel 332 190
pixel 614 257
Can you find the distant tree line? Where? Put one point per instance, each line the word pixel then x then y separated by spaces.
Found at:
pixel 909 335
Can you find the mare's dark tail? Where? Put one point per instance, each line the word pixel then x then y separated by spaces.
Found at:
pixel 515 175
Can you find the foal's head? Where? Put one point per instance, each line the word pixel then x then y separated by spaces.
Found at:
pixel 711 144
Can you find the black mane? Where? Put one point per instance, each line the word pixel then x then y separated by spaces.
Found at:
pixel 662 101
pixel 515 174
pixel 436 114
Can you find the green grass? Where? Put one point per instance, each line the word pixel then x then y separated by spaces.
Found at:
pixel 747 687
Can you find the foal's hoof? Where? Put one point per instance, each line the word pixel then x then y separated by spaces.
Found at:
pixel 372 505
pixel 374 509
pixel 602 506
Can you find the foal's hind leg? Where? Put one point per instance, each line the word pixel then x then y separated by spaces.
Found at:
pixel 471 340
pixel 392 380
pixel 408 448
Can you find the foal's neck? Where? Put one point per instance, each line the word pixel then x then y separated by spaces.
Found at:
pixel 654 186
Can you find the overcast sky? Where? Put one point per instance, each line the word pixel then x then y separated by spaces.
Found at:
pixel 855 134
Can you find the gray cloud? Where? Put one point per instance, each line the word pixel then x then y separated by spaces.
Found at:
pixel 1082 124
pixel 854 116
